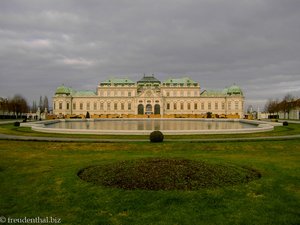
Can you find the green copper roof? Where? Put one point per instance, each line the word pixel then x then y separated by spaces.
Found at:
pixel 64 90
pixel 184 80
pixel 212 93
pixel 117 81
pixel 84 93
pixel 234 90
pixel 148 79
pixel 69 91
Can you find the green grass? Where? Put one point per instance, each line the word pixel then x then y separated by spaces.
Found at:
pixel 40 179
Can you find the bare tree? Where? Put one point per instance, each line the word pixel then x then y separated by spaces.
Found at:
pixel 286 105
pixel 18 105
pixel 4 106
pixel 272 106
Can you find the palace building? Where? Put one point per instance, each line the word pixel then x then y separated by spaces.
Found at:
pixel 148 97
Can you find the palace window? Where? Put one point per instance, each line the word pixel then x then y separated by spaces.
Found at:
pixel 181 105
pixel 108 106
pixel 223 105
pixel 175 106
pixel 236 105
pixel 68 105
pixel 60 105
pixel 74 106
pixel 202 105
pixel 88 106
pixel 189 106
pixel 229 105
pixel 168 105
pixel 116 106
pixel 129 106
pixel 216 105
pixel 101 106
pixel 81 106
pixel 129 93
pixel 188 93
pixel 209 106
pixel 95 105
pixel 195 105
pixel 122 106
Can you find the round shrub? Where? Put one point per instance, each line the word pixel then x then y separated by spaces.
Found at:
pixel 285 123
pixel 17 124
pixel 156 136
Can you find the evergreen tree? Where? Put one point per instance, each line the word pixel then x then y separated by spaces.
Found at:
pixel 46 103
pixel 34 107
pixel 41 104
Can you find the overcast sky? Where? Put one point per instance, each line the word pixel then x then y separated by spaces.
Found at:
pixel 79 43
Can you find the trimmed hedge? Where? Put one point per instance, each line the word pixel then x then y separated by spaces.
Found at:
pixel 285 123
pixel 156 136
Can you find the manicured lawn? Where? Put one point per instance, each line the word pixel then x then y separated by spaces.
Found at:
pixel 39 179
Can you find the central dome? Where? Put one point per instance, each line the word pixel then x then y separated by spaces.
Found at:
pixel 63 90
pixel 148 79
pixel 235 90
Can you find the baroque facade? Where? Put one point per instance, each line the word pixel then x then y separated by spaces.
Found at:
pixel 149 96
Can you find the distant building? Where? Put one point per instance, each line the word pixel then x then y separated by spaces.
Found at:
pixel 149 96
pixel 294 113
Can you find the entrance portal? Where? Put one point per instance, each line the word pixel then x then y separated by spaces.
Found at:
pixel 149 109
pixel 140 109
pixel 157 109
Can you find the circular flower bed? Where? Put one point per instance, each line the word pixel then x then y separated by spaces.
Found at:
pixel 167 174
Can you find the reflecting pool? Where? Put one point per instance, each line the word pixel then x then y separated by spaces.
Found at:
pixel 148 125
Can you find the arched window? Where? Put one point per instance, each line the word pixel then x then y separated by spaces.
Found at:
pixel 140 109
pixel 157 109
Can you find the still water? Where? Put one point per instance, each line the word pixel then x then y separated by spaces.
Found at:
pixel 150 125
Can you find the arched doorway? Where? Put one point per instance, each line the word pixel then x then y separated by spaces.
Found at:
pixel 157 109
pixel 148 109
pixel 140 109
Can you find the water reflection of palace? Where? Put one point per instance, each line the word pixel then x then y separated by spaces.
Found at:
pixel 150 97
pixel 150 125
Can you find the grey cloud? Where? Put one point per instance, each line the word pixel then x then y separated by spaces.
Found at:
pixel 79 43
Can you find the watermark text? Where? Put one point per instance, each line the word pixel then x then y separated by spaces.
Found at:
pixel 27 220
